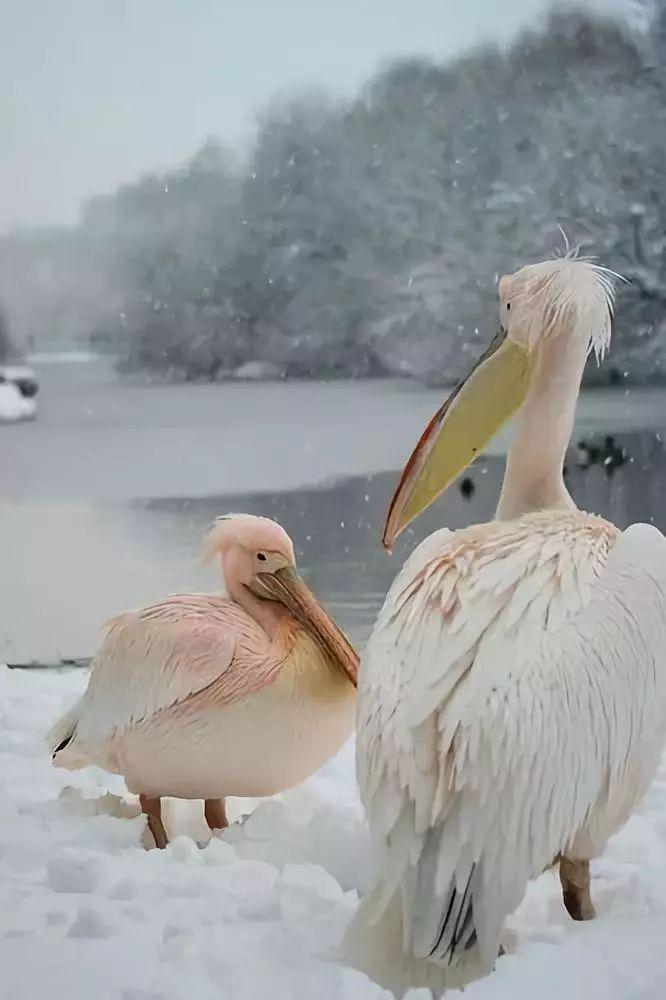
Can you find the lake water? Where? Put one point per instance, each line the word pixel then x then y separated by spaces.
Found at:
pixel 108 492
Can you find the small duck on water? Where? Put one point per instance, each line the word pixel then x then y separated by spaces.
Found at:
pixel 610 455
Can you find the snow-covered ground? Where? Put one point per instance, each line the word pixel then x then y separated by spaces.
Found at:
pixel 87 914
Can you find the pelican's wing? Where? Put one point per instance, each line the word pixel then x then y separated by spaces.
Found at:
pixel 511 683
pixel 158 657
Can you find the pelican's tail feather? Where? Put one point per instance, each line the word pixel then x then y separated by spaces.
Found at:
pixel 375 945
pixel 62 732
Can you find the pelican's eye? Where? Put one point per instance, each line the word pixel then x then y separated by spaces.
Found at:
pixel 261 557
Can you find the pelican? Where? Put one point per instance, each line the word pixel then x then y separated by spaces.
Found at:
pixel 512 697
pixel 204 696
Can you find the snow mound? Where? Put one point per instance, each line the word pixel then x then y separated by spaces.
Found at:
pixel 14 406
pixel 258 912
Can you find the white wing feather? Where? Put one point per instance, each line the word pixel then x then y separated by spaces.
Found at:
pixel 511 707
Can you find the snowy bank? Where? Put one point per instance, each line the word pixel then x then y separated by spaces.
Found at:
pixel 258 913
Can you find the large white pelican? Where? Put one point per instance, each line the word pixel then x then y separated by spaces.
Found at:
pixel 512 697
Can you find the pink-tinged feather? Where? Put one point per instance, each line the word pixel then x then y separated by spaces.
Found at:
pixel 202 696
pixel 156 658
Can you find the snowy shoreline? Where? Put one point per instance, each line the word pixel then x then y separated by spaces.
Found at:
pixel 258 913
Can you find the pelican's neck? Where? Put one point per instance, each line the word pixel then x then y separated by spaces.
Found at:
pixel 269 615
pixel 533 478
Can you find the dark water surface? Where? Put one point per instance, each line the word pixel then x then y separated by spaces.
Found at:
pixel 338 530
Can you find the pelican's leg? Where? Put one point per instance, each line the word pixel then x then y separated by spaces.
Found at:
pixel 575 879
pixel 216 814
pixel 153 810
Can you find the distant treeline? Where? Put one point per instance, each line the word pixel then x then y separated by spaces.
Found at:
pixel 365 238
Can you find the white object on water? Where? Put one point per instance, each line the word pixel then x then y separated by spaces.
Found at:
pixel 14 406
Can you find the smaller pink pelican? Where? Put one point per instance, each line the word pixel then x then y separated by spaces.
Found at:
pixel 204 696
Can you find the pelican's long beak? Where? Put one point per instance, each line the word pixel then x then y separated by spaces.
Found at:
pixel 289 588
pixel 476 409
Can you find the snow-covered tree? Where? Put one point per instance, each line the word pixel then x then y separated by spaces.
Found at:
pixel 366 237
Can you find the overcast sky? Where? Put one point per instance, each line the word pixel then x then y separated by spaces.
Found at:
pixel 95 92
